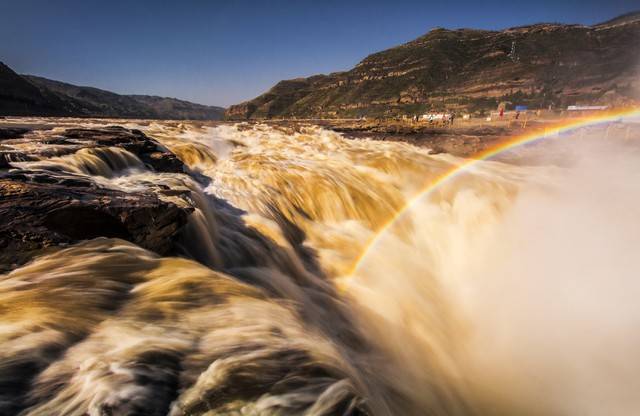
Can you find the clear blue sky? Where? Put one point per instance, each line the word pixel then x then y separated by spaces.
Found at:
pixel 223 52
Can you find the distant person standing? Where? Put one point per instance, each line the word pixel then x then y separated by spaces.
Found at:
pixel 517 114
pixel 501 112
pixel 452 117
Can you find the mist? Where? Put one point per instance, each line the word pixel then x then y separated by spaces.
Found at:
pixel 517 287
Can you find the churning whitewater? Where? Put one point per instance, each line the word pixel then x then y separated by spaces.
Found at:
pixel 509 289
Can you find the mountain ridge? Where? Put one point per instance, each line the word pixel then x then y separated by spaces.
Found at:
pixel 30 95
pixel 470 70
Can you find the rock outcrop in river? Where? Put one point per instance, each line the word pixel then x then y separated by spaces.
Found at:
pixel 44 206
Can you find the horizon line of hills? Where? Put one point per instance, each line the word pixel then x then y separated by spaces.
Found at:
pixel 29 95
pixel 464 70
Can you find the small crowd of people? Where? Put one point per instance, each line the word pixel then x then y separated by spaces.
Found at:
pixel 441 119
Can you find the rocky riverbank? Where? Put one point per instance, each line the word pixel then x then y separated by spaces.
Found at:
pixel 45 206
pixel 465 139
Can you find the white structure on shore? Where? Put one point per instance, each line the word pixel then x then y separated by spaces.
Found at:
pixel 587 107
pixel 433 117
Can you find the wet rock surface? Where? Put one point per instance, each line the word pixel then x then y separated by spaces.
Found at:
pixel 21 147
pixel 134 141
pixel 44 209
pixel 12 132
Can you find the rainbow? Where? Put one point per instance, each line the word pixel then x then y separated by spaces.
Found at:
pixel 509 144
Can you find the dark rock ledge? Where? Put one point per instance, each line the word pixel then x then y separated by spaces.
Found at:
pixel 41 210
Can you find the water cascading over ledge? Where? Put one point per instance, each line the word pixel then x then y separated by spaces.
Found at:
pixel 263 303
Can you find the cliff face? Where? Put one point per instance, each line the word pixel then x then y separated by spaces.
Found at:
pixel 471 70
pixel 27 95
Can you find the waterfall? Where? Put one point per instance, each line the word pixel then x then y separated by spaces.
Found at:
pixel 501 291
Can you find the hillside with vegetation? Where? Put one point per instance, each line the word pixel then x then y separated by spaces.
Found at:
pixel 471 71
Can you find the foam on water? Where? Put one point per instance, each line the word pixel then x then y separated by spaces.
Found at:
pixel 500 292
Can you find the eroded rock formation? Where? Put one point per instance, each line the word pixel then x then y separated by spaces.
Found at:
pixel 44 206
